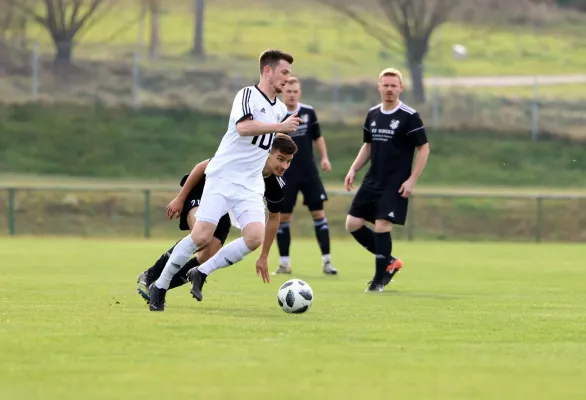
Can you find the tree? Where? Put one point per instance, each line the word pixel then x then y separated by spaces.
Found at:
pixel 198 47
pixel 155 33
pixel 413 20
pixel 64 20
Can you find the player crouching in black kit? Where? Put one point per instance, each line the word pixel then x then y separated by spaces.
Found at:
pixel 303 177
pixel 185 204
pixel 392 132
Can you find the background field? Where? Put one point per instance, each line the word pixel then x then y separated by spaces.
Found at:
pixel 462 321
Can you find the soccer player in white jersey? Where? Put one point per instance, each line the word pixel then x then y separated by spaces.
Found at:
pixel 234 175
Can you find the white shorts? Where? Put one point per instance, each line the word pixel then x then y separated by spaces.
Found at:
pixel 221 196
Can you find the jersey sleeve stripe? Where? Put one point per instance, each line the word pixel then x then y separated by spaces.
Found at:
pixel 416 129
pixel 245 102
pixel 407 109
pixel 281 181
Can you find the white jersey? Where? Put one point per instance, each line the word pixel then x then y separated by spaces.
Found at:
pixel 241 159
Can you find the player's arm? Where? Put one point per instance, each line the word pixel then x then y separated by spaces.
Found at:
pixel 195 176
pixel 271 228
pixel 420 161
pixel 362 157
pixel 320 144
pixel 418 138
pixel 175 207
pixel 416 135
pixel 246 125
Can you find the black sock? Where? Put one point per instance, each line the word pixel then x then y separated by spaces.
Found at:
pixel 156 270
pixel 180 277
pixel 383 248
pixel 365 236
pixel 284 239
pixel 322 233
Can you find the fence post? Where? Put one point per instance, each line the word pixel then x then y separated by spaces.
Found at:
pixel 11 216
pixel 539 217
pixel 411 223
pixel 535 111
pixel 147 213
pixel 136 80
pixel 35 62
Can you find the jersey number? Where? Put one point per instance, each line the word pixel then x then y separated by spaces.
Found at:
pixel 263 139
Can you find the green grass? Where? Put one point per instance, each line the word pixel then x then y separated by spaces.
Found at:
pixel 489 321
pixel 331 47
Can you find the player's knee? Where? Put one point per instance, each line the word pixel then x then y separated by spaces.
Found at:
pixel 353 223
pixel 253 235
pixel 202 232
pixel 285 218
pixel 318 214
pixel 382 225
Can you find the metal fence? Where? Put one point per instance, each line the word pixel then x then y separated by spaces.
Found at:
pixel 140 211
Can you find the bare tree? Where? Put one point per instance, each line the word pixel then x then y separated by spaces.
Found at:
pixel 155 33
pixel 64 20
pixel 198 18
pixel 413 20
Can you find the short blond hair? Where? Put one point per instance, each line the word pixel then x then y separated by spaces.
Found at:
pixel 391 72
pixel 293 80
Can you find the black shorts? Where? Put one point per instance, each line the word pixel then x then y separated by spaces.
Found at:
pixel 314 194
pixel 371 205
pixel 224 224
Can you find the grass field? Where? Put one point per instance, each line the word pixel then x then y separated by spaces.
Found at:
pixel 462 321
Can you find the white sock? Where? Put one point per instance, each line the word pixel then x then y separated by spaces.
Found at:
pixel 326 258
pixel 181 254
pixel 228 255
pixel 284 261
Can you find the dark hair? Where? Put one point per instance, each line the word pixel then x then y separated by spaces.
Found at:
pixel 284 144
pixel 272 57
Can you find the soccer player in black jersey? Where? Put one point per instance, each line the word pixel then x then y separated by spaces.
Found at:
pixel 392 131
pixel 185 204
pixel 303 177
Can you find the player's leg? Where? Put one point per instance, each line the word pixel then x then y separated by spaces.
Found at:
pixel 361 210
pixel 186 222
pixel 150 275
pixel 391 209
pixel 212 207
pixel 250 215
pixel 314 196
pixel 287 205
pixel 220 235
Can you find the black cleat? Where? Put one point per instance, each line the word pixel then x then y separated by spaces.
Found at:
pixel 143 286
pixel 157 298
pixel 197 279
pixel 375 287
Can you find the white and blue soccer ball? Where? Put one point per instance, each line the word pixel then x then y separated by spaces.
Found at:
pixel 295 296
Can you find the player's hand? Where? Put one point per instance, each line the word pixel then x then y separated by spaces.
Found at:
pixel 349 180
pixel 406 188
pixel 262 269
pixel 291 123
pixel 174 208
pixel 325 165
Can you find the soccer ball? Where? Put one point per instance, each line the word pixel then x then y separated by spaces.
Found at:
pixel 295 296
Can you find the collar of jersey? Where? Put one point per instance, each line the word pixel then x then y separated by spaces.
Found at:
pixel 390 111
pixel 271 102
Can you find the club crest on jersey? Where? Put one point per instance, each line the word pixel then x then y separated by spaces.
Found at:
pixel 305 118
pixel 394 124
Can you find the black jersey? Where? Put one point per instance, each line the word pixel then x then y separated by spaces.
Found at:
pixel 393 136
pixel 273 190
pixel 303 163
